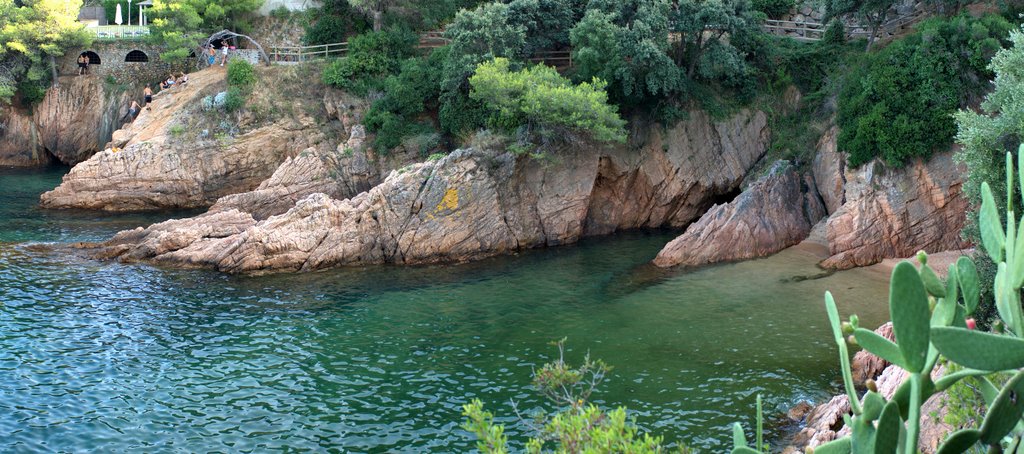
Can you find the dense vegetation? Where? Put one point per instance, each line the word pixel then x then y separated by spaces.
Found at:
pixel 898 104
pixel 32 34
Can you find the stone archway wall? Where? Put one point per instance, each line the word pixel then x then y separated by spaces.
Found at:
pixel 112 56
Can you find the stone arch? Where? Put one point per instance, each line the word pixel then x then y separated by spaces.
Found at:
pixel 136 56
pixel 224 35
pixel 94 58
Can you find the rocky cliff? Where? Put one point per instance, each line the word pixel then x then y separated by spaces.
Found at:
pixel 468 205
pixel 182 153
pixel 72 122
pixel 890 213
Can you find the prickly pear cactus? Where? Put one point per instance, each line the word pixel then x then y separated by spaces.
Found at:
pixel 932 321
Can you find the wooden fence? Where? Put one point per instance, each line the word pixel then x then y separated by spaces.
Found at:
pixel 299 54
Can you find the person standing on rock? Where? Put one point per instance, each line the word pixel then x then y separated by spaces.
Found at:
pixel 211 55
pixel 147 96
pixel 224 53
pixel 83 62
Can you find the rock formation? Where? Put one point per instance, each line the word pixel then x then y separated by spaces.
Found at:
pixel 829 168
pixel 178 156
pixel 469 205
pixel 866 366
pixel 71 123
pixel 775 212
pixel 340 172
pixel 896 212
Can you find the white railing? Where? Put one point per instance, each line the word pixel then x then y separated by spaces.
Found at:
pixel 117 32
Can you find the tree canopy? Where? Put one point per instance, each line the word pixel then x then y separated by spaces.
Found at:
pixel 32 33
pixel 541 99
pixel 181 24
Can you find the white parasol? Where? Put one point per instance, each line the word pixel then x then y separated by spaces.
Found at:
pixel 117 14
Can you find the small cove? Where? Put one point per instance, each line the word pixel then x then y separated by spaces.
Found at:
pixel 113 357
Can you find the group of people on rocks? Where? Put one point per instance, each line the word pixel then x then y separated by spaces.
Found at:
pixel 211 54
pixel 180 79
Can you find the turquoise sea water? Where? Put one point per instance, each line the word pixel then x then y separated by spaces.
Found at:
pixel 112 358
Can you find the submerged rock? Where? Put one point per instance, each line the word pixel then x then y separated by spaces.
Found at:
pixel 775 212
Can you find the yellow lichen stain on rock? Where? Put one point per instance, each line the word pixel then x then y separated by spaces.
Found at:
pixel 450 201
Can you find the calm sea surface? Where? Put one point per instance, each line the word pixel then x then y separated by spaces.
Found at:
pixel 112 358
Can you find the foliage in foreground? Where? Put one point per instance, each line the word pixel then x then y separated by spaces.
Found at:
pixel 932 318
pixel 543 101
pixel 577 427
pixel 996 130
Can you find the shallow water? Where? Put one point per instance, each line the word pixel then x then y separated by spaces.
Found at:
pixel 111 357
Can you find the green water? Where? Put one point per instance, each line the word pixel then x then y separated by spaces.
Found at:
pixel 111 357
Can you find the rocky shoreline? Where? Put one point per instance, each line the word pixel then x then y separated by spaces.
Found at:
pixel 283 197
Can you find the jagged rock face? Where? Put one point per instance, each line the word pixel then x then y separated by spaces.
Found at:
pixel 340 173
pixel 829 168
pixel 149 167
pixel 866 366
pixel 469 205
pixel 71 123
pixel 675 175
pixel 769 216
pixel 19 141
pixel 896 212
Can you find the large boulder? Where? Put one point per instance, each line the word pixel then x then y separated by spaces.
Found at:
pixel 775 212
pixel 669 177
pixel 829 168
pixel 897 212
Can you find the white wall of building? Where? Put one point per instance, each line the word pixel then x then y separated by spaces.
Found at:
pixel 293 5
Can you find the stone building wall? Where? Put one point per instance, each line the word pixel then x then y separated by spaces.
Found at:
pixel 112 62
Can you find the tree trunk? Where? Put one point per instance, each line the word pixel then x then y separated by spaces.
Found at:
pixel 874 29
pixel 53 71
pixel 378 20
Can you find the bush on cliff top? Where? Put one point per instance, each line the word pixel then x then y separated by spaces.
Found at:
pixel 543 101
pixel 899 104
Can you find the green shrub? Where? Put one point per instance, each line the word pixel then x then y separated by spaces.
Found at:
pixel 773 8
pixel 281 12
pixel 333 23
pixel 835 33
pixel 371 58
pixel 538 96
pixel 235 99
pixel 578 426
pixel 899 104
pixel 241 73
pixel 32 92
